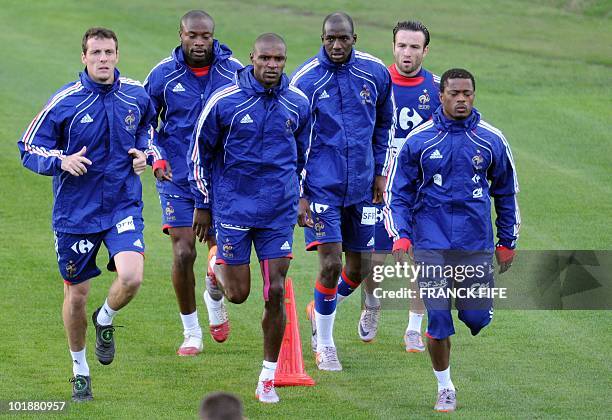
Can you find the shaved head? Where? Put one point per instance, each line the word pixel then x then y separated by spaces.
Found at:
pixel 196 14
pixel 338 18
pixel 269 39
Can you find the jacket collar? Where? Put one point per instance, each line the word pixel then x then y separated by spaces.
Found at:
pixel 221 52
pixel 327 63
pixel 247 82
pixel 446 124
pixel 99 87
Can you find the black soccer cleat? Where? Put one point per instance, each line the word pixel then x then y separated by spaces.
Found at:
pixel 105 341
pixel 81 388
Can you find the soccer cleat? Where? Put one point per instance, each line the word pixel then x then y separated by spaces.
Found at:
pixel 81 388
pixel 368 323
pixel 266 393
pixel 310 314
pixel 447 400
pixel 413 342
pixel 105 340
pixel 192 346
pixel 327 359
pixel 218 319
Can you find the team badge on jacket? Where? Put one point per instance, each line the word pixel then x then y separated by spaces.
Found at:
pixel 424 100
pixel 365 95
pixel 477 160
pixel 130 119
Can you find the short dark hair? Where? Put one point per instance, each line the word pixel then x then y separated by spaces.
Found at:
pixel 338 17
pixel 221 406
pixel 99 32
pixel 196 14
pixel 456 74
pixel 412 25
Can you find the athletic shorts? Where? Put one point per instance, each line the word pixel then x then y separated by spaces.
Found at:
pixel 353 226
pixel 234 243
pixel 383 243
pixel 463 271
pixel 177 212
pixel 76 253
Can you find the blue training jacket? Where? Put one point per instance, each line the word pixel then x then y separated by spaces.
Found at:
pixel 179 97
pixel 107 119
pixel 439 187
pixel 352 113
pixel 258 137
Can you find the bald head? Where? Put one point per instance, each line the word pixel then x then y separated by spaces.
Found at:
pixel 269 39
pixel 196 15
pixel 338 19
pixel 268 58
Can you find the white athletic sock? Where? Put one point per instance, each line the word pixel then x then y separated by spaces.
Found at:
pixel 325 329
pixel 212 303
pixel 371 300
pixel 106 314
pixel 79 363
pixel 414 321
pixel 191 326
pixel 268 370
pixel 444 379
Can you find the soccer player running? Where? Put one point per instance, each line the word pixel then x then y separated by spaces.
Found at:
pixel 438 199
pixel 91 137
pixel 352 111
pixel 415 94
pixel 256 132
pixel 179 86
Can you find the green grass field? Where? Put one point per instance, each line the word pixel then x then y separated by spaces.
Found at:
pixel 544 75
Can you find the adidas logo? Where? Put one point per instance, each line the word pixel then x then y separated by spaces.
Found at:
pixel 286 246
pixel 138 243
pixel 371 242
pixel 246 119
pixel 436 155
pixel 86 119
pixel 324 95
pixel 178 88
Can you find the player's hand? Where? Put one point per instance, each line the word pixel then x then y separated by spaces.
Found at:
pixel 162 170
pixel 201 223
pixel 380 184
pixel 139 160
pixel 304 213
pixel 75 164
pixel 401 247
pixel 504 257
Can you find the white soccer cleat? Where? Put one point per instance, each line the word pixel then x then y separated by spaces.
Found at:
pixel 218 318
pixel 414 342
pixel 327 359
pixel 368 323
pixel 447 401
pixel 310 314
pixel 266 393
pixel 192 346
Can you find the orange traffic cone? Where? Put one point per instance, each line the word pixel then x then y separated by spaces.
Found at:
pixel 290 370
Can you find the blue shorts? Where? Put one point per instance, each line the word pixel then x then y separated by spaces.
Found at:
pixel 383 243
pixel 353 226
pixel 76 253
pixel 177 212
pixel 463 272
pixel 234 243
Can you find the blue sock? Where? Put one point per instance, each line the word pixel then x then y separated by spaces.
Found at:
pixel 325 299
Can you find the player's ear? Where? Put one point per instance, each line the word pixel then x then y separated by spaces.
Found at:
pixel 425 50
pixel 354 39
pixel 83 59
